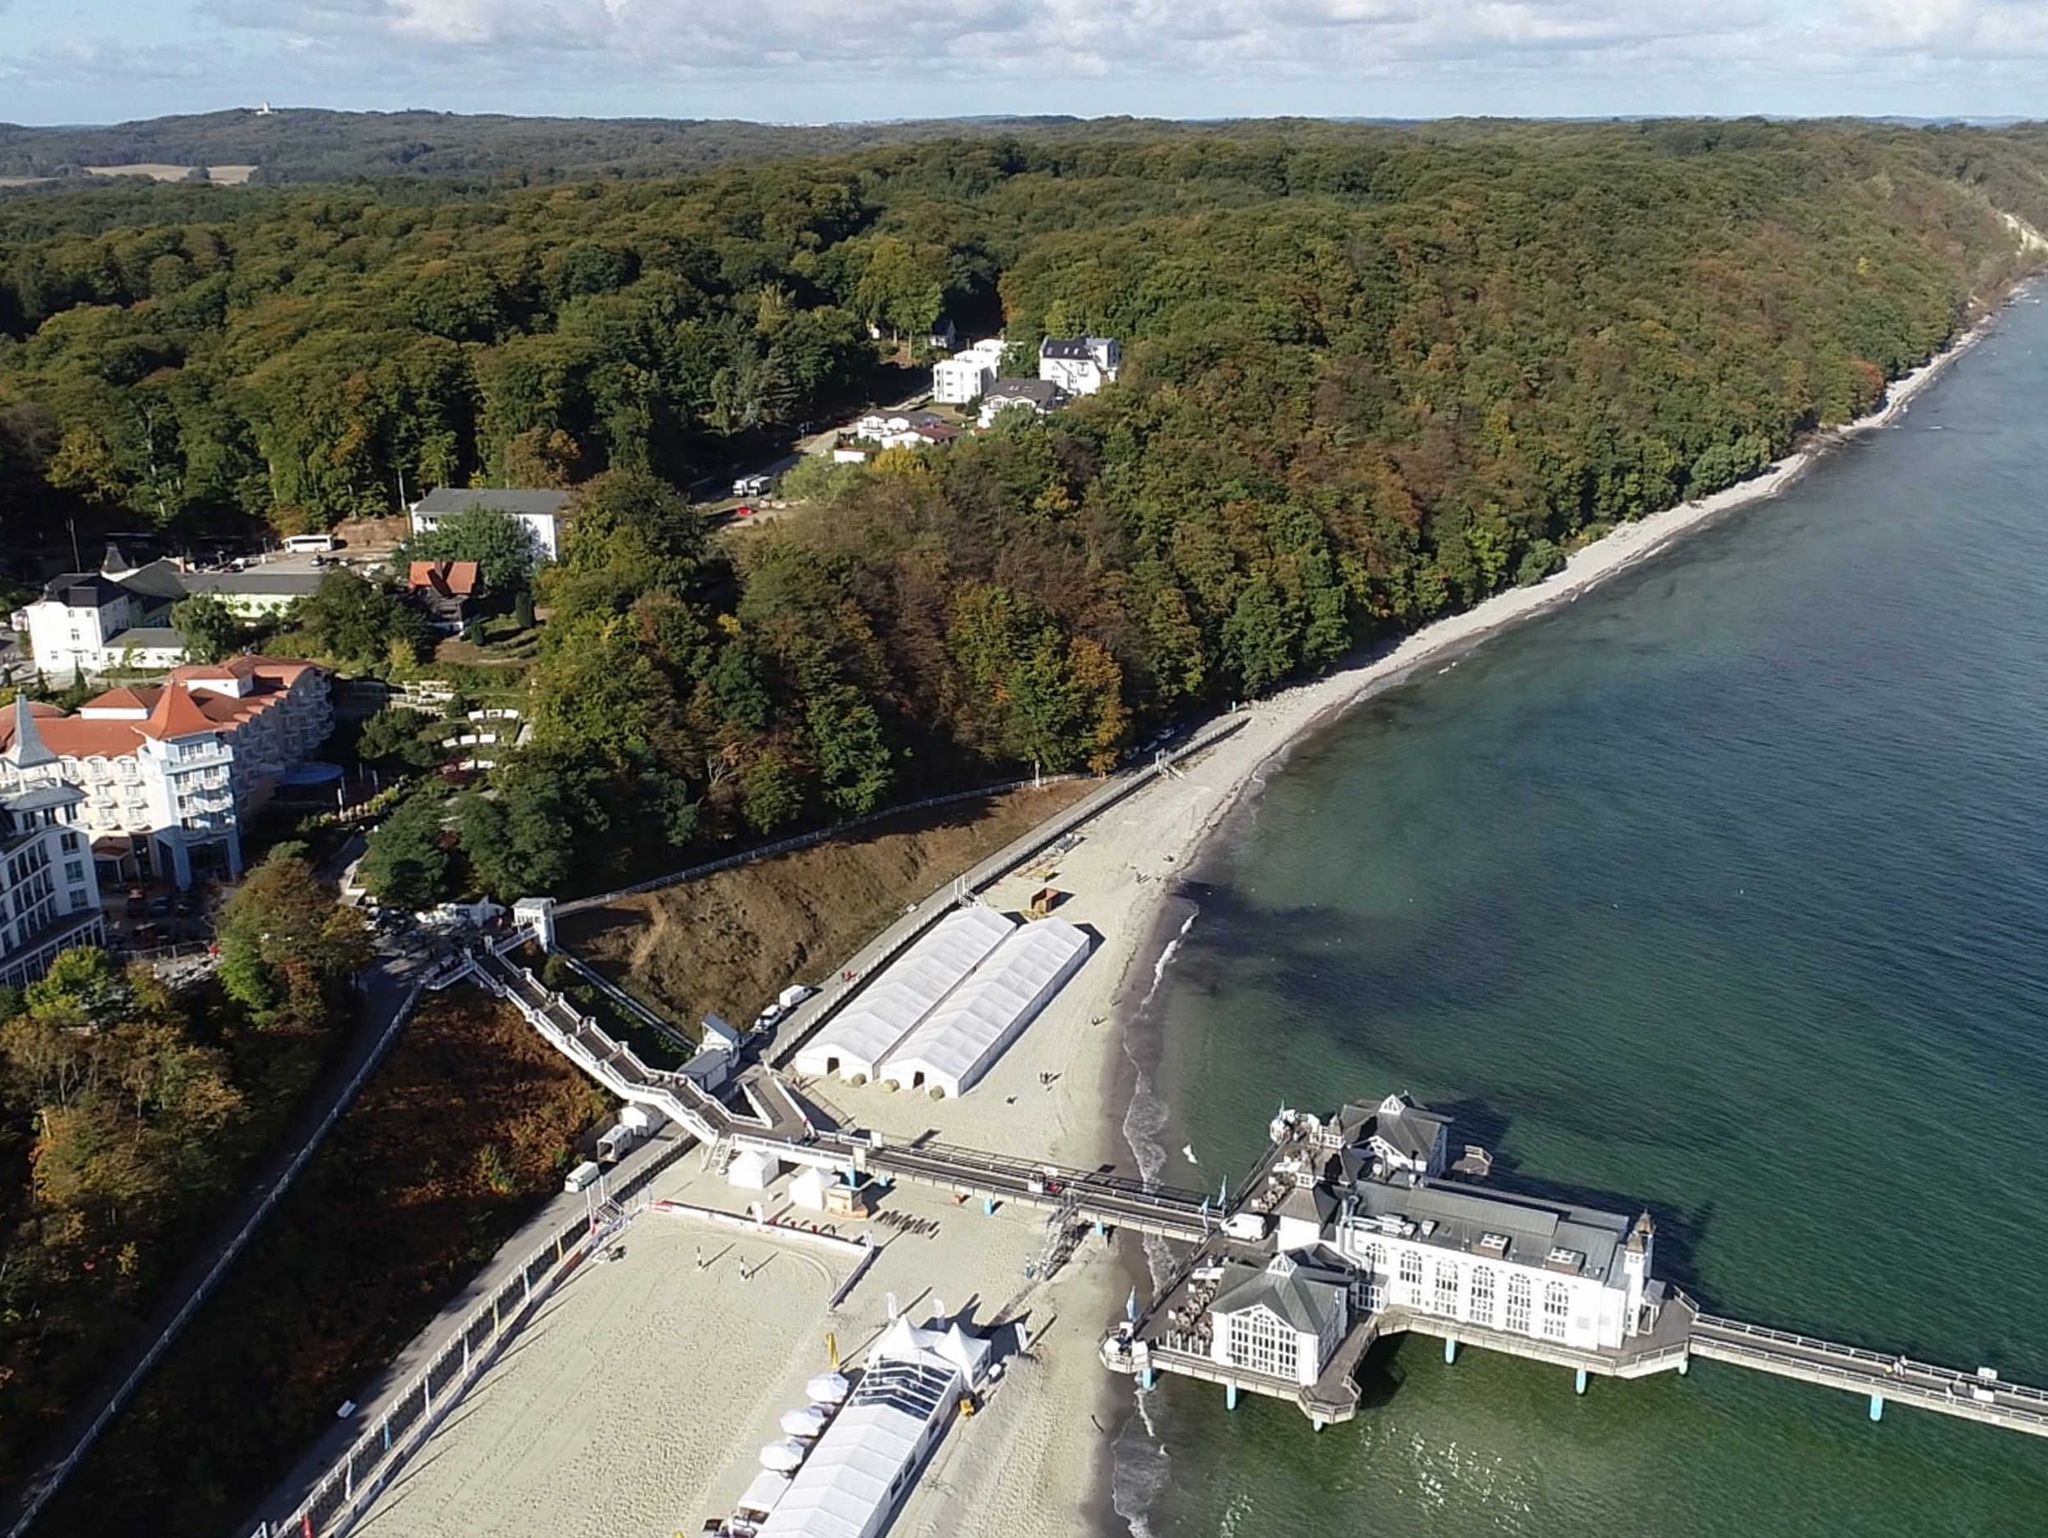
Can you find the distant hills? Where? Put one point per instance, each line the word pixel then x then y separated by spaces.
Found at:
pixel 301 145
pixel 296 145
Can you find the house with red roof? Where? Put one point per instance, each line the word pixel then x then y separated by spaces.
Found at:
pixel 446 590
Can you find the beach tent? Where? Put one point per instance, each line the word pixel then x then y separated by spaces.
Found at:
pixel 763 1495
pixel 853 1042
pixel 954 1045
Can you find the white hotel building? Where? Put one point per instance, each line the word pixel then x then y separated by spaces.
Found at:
pixel 165 772
pixel 49 893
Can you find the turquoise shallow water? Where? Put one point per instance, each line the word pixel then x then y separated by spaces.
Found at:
pixel 1721 890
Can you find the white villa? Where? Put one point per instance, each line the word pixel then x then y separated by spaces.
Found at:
pixel 1080 365
pixel 49 891
pixel 1038 396
pixel 92 622
pixel 960 379
pixel 541 511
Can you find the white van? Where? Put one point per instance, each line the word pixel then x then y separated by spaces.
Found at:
pixel 752 486
pixel 309 544
pixel 583 1177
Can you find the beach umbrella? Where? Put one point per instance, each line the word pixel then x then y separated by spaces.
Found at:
pixel 783 1456
pixel 827 1388
pixel 805 1422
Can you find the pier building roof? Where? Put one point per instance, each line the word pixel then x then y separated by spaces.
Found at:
pixel 1457 1217
pixel 1298 1293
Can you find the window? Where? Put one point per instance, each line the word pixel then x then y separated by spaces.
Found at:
pixel 78 902
pixel 70 842
pixel 1411 1270
pixel 1261 1343
pixel 74 870
pixel 1518 1305
pixel 1447 1288
pixel 1374 1259
pixel 1480 1309
pixel 1557 1304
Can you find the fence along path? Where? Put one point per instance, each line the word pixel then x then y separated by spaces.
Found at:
pixel 369 1465
pixel 800 841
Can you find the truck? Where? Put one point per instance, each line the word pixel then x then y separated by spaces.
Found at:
pixel 583 1177
pixel 752 486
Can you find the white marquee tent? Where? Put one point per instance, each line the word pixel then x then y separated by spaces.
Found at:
pixel 863 1466
pixel 853 1042
pixel 954 1045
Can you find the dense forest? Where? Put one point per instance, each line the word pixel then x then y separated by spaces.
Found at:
pixel 1372 376
pixel 128 1111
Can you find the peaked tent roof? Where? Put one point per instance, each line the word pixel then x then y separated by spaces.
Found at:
pixel 177 714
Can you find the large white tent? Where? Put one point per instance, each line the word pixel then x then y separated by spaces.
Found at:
pixel 853 1042
pixel 861 1469
pixel 954 1045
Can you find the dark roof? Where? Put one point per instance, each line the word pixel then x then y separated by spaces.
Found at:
pixel 453 499
pixel 1310 1202
pixel 1299 1293
pixel 159 579
pixel 83 590
pixel 1080 347
pixel 1042 392
pixel 1463 1214
pixel 145 636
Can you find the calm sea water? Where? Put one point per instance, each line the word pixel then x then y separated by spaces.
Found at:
pixel 1722 890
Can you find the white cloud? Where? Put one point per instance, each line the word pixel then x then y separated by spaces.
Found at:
pixel 808 60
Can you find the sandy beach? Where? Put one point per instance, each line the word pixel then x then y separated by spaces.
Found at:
pixel 636 1404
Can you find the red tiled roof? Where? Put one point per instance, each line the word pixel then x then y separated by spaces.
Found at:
pixel 449 579
pixel 177 714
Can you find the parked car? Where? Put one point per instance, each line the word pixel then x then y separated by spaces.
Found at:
pixel 743 511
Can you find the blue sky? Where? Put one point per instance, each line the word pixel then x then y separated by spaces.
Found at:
pixel 837 60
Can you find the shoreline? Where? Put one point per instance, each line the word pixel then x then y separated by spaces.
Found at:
pixel 1282 721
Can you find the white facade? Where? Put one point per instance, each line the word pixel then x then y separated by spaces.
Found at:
pixel 948 1051
pixel 540 511
pixel 854 1042
pixel 1035 395
pixel 1285 1324
pixel 960 379
pixel 1080 365
pixel 167 772
pixel 119 616
pixel 49 891
pixel 1496 1287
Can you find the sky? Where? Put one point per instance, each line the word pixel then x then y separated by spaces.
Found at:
pixel 810 61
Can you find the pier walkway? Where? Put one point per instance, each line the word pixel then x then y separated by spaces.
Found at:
pixel 1884 1378
pixel 777 1122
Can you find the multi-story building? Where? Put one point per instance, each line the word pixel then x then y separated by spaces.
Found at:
pixel 961 378
pixel 1080 365
pixel 1420 1242
pixel 169 770
pixel 49 892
